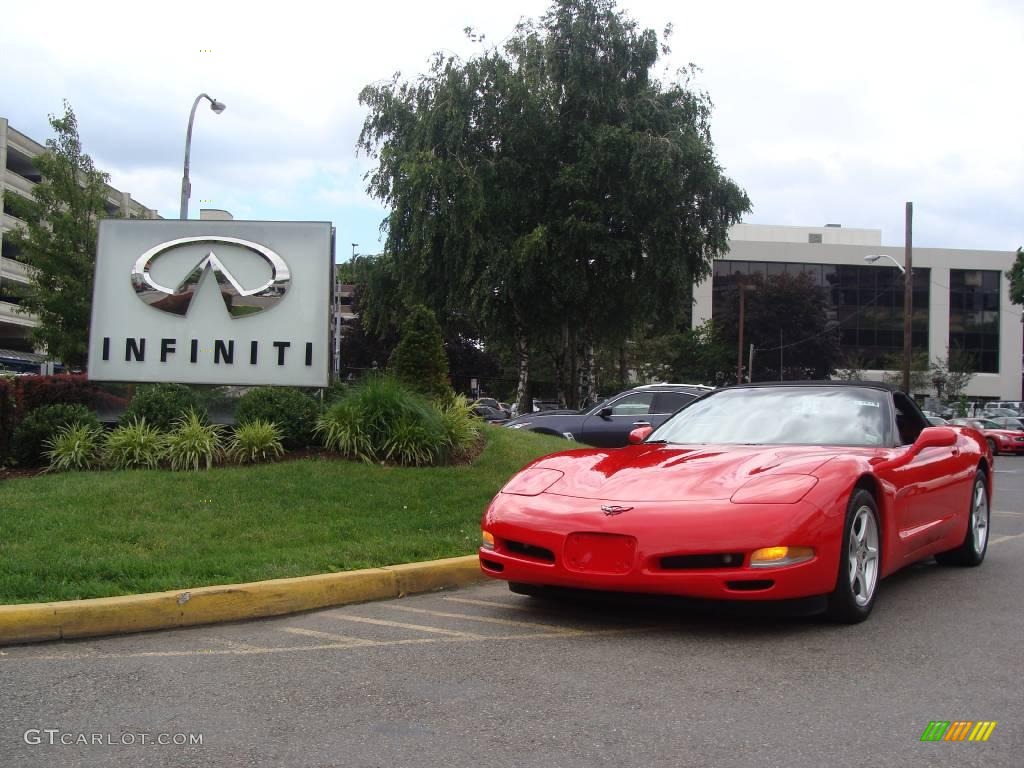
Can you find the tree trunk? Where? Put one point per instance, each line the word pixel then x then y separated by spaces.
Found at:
pixel 586 393
pixel 560 365
pixel 522 389
pixel 573 393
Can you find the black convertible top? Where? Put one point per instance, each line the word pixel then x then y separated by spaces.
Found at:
pixel 822 383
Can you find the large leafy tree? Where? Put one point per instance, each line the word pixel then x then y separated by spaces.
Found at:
pixel 551 187
pixel 58 241
pixel 785 314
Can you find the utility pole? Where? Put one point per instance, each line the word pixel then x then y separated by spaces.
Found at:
pixel 739 354
pixel 750 365
pixel 908 297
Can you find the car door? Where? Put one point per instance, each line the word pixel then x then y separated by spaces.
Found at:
pixel 609 426
pixel 933 489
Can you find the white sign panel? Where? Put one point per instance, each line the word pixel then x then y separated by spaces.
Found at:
pixel 212 302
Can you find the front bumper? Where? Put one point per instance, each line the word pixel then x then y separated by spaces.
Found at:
pixel 680 549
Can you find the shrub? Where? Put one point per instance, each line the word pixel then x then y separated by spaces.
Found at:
pixel 76 446
pixel 6 416
pixel 134 445
pixel 460 426
pixel 380 420
pixel 63 388
pixel 193 442
pixel 255 441
pixel 419 361
pixel 294 412
pixel 42 425
pixel 160 404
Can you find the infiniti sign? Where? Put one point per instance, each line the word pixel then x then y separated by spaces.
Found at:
pixel 240 302
pixel 212 302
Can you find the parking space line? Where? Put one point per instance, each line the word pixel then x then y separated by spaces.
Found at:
pixel 1007 512
pixel 235 645
pixel 347 646
pixel 328 636
pixel 999 539
pixel 485 619
pixel 400 625
pixel 491 603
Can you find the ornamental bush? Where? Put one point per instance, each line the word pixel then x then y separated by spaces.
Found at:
pixel 136 445
pixel 42 425
pixel 6 417
pixel 64 388
pixel 293 411
pixel 461 427
pixel 255 441
pixel 161 405
pixel 193 443
pixel 75 447
pixel 381 420
pixel 419 361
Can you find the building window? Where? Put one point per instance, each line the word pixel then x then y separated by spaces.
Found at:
pixel 814 237
pixel 866 300
pixel 974 316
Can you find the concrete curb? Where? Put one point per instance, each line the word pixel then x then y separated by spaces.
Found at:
pixel 38 622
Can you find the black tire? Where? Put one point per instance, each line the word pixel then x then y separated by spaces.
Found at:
pixel 992 446
pixel 530 590
pixel 848 603
pixel 969 553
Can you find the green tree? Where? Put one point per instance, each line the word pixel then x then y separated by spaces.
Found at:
pixel 536 182
pixel 691 356
pixel 419 361
pixel 920 372
pixel 58 242
pixel 785 314
pixel 955 371
pixel 1015 275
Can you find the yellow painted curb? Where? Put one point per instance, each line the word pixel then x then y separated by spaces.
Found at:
pixel 37 622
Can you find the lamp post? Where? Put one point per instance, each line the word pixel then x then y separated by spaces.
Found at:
pixel 908 308
pixel 186 185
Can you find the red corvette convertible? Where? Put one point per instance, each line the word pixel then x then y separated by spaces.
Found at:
pixel 752 492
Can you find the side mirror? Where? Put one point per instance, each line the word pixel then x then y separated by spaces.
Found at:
pixel 639 434
pixel 605 412
pixel 935 437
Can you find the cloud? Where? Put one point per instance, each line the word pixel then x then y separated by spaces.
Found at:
pixel 823 112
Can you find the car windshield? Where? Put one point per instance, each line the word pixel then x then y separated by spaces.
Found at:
pixel 798 415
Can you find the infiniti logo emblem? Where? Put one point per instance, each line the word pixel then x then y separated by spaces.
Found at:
pixel 611 509
pixel 239 301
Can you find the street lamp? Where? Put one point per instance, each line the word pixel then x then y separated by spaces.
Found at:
pixel 186 185
pixel 908 310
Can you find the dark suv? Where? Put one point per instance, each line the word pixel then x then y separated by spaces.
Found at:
pixel 608 424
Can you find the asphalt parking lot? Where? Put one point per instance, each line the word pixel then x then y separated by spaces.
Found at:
pixel 479 676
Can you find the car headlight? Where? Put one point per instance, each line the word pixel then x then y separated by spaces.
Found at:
pixel 774 489
pixel 532 482
pixel 487 540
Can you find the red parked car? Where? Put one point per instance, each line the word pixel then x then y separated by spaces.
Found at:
pixel 1001 439
pixel 752 492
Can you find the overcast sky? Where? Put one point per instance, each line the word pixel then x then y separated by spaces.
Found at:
pixel 825 112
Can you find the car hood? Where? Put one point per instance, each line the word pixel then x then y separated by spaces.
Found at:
pixel 680 473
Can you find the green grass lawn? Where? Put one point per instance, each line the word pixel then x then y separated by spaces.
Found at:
pixel 97 534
